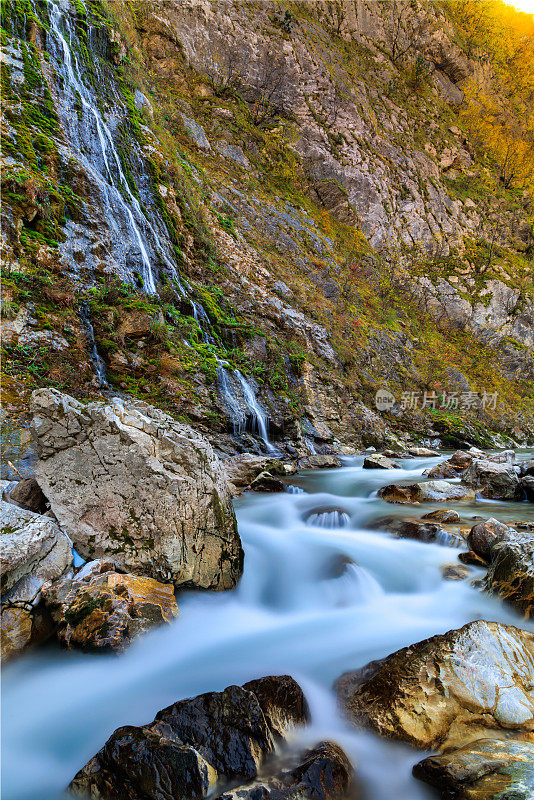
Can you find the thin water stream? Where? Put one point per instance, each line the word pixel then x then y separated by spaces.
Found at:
pixel 313 602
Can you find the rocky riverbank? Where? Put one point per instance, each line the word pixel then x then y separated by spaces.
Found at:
pixel 127 506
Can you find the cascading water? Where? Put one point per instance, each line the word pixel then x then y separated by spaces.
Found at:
pixel 96 358
pixel 255 409
pixel 312 603
pixel 91 139
pixel 330 518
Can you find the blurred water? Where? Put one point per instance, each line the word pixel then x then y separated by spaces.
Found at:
pixel 313 602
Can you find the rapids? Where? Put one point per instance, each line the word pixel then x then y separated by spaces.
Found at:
pixel 313 602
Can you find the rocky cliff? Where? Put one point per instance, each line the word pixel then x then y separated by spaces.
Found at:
pixel 256 215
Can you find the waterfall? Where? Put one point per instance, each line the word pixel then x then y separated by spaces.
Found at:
pixel 255 409
pixel 91 138
pixel 96 358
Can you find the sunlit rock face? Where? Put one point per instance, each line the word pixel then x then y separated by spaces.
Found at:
pixel 129 483
pixel 448 690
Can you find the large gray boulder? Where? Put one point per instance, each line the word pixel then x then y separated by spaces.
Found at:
pixel 449 690
pixel 511 571
pixel 493 480
pixel 129 483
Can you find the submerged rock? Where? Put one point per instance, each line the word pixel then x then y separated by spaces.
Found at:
pixel 487 769
pixel 129 483
pixel 194 744
pixel 99 609
pixel 448 690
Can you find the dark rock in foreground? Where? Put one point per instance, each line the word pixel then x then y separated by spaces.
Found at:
pixel 449 690
pixel 511 571
pixel 488 769
pixel 195 745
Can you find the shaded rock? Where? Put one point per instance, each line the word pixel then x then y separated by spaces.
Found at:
pixel 527 484
pixel 27 494
pixel 445 515
pixel 443 470
pixel 511 571
pixel 527 467
pixel 379 462
pixel 496 481
pixel 434 491
pixel 16 630
pixel 471 558
pixel 193 743
pixel 487 769
pixel 103 610
pixel 325 773
pixel 129 483
pixel 484 534
pixel 265 482
pixel 461 459
pixel 448 690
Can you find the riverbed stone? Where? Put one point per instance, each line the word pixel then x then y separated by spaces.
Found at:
pixel 193 743
pixel 511 571
pixel 266 482
pixel 484 534
pixel 445 515
pixel 242 469
pixel 100 609
pixel 422 531
pixel 427 491
pixel 27 494
pixel 379 461
pixel 487 769
pixel 129 483
pixel 493 480
pixel 449 690
pixel 527 485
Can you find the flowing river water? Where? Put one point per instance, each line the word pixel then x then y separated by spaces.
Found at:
pixel 314 601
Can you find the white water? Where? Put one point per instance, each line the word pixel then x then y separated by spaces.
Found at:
pixel 255 409
pixel 313 602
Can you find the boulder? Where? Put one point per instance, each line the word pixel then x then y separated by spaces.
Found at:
pixel 495 481
pixel 428 491
pixel 511 571
pixel 100 609
pixel 16 630
pixel 449 690
pixel 487 769
pixel 379 462
pixel 443 470
pixel 484 534
pixel 129 483
pixel 320 462
pixel 27 494
pixel 423 452
pixel 265 482
pixel 527 468
pixel 242 469
pixel 194 743
pixel 324 773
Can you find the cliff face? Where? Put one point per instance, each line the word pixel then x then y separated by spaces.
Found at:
pixel 239 208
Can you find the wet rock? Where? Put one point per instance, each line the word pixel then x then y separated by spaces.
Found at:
pixel 241 470
pixel 320 462
pixel 511 571
pixel 443 470
pixel 265 482
pixel 484 534
pixel 423 452
pixel 449 690
pixel 27 494
pixel 102 610
pixel 129 483
pixel 471 558
pixel 406 528
pixel 429 491
pixel 487 769
pixel 16 630
pixel 379 462
pixel 325 773
pixel 446 515
pixel 496 481
pixel 193 743
pixel 527 468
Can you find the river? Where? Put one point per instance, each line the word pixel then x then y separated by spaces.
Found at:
pixel 313 602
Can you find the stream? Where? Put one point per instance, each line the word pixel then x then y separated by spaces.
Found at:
pixel 320 595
